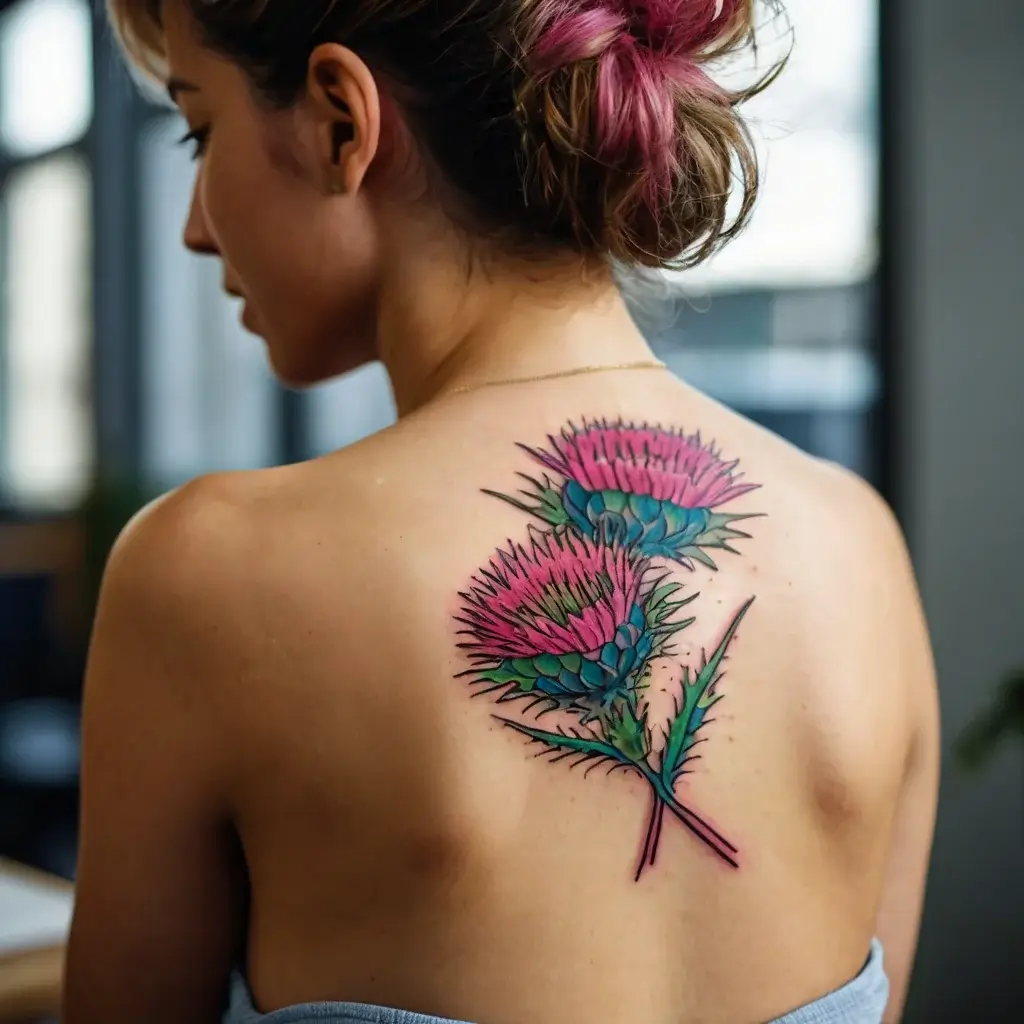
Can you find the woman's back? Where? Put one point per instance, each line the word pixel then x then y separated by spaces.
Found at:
pixel 572 696
pixel 408 845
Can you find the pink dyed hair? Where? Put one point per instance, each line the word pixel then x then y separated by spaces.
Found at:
pixel 599 132
pixel 646 52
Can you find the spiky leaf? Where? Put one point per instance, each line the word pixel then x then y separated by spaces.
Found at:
pixel 569 743
pixel 698 696
pixel 544 501
pixel 502 675
pixel 627 731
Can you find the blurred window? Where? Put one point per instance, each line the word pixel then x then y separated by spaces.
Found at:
pixel 45 75
pixel 46 417
pixel 209 401
pixel 348 409
pixel 780 325
pixel 816 133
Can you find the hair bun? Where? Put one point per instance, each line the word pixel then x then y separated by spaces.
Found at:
pixel 588 125
pixel 628 143
pixel 565 33
pixel 678 28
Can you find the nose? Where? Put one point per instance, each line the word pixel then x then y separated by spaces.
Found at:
pixel 198 238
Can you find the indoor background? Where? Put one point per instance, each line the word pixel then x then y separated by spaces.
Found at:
pixel 871 314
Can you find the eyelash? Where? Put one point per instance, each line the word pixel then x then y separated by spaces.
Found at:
pixel 198 138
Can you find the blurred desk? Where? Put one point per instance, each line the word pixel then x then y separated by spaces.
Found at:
pixel 35 913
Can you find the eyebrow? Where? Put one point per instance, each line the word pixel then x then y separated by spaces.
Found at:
pixel 179 85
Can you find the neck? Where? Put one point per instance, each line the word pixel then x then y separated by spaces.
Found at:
pixel 444 328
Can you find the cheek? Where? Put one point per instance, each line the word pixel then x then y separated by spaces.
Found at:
pixel 285 150
pixel 241 190
pixel 256 202
pixel 305 261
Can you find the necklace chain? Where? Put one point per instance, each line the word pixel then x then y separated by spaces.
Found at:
pixel 575 371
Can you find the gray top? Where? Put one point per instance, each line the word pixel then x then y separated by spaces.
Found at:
pixel 861 1001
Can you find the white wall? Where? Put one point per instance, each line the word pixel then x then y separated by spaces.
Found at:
pixel 961 399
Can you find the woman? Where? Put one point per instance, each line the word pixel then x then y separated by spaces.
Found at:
pixel 427 723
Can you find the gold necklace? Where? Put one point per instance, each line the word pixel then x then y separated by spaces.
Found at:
pixel 576 371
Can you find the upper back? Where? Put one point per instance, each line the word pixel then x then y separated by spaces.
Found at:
pixel 463 728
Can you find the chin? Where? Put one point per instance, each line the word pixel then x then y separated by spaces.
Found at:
pixel 298 368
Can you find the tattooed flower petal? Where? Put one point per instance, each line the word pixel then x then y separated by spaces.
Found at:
pixel 668 465
pixel 652 489
pixel 566 593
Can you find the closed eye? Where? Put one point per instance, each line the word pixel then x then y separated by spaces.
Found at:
pixel 198 138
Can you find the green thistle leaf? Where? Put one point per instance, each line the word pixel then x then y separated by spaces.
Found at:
pixel 543 501
pixel 699 554
pixel 660 595
pixel 717 534
pixel 658 607
pixel 565 743
pixel 698 697
pixel 504 676
pixel 668 628
pixel 628 732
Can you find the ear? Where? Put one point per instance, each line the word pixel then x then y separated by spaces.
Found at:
pixel 343 99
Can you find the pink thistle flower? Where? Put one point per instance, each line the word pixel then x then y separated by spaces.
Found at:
pixel 562 594
pixel 667 465
pixel 642 487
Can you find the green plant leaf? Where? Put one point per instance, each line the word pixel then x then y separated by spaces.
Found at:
pixel 546 504
pixel 698 555
pixel 627 731
pixel 569 743
pixel 1002 718
pixel 503 675
pixel 673 627
pixel 661 594
pixel 658 605
pixel 697 698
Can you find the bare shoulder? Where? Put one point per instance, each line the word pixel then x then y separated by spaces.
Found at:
pixel 860 588
pixel 193 543
pixel 232 569
pixel 200 569
pixel 861 502
pixel 858 529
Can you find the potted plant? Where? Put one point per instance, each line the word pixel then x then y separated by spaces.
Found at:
pixel 1002 718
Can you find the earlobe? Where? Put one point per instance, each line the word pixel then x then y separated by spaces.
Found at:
pixel 343 98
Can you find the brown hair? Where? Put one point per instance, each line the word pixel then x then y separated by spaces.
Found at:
pixel 588 126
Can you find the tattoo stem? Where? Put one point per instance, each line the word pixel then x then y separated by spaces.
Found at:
pixel 657 832
pixel 661 799
pixel 646 853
